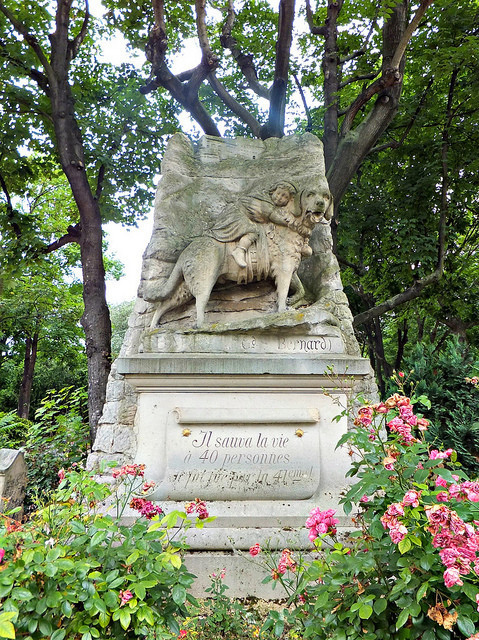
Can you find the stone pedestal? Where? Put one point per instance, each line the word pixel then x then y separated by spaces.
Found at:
pixel 253 432
pixel 242 413
pixel 13 480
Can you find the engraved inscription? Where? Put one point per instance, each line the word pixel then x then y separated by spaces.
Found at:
pixel 315 344
pixel 258 462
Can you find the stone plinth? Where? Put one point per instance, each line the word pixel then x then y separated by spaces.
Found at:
pixel 13 480
pixel 242 413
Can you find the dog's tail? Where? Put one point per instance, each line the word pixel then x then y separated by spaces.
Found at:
pixel 173 281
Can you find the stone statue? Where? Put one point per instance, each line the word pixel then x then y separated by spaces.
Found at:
pixel 255 238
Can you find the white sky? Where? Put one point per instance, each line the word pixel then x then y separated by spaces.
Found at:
pixel 127 244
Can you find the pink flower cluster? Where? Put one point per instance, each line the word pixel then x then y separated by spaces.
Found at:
pixel 401 424
pixel 457 540
pixel 146 508
pixel 198 506
pixel 467 490
pixel 434 454
pixel 125 596
pixel 129 470
pixel 390 521
pixel 285 563
pixel 2 554
pixel 254 550
pixel 321 522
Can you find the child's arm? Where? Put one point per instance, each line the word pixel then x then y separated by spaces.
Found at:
pixel 277 219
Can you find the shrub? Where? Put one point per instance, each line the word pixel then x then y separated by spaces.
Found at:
pixel 13 430
pixel 454 409
pixel 58 437
pixel 74 571
pixel 409 570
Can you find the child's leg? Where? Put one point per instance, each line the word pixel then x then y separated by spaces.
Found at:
pixel 239 253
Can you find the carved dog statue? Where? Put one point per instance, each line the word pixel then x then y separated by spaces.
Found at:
pixel 277 254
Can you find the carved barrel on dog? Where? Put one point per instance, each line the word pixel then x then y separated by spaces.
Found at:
pixel 240 352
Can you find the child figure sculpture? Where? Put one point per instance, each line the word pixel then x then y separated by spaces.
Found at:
pixel 241 219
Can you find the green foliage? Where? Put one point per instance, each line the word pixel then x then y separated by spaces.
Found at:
pixel 13 430
pixel 387 579
pixel 57 438
pixel 119 314
pixel 221 616
pixel 454 413
pixel 74 571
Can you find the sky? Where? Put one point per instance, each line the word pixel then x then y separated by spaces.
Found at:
pixel 127 244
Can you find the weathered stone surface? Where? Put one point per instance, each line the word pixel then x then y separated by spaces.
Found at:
pixel 13 480
pixel 241 411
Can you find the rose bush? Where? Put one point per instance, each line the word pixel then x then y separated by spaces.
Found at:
pixel 73 570
pixel 410 568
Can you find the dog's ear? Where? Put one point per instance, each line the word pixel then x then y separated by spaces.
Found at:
pixel 328 214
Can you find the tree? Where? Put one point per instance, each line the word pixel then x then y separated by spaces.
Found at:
pixel 83 116
pixel 251 47
pixel 39 317
pixel 418 233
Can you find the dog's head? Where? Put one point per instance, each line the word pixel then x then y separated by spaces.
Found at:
pixel 317 205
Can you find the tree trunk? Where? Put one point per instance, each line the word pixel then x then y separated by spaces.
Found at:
pixel 24 396
pixel 355 144
pixel 96 316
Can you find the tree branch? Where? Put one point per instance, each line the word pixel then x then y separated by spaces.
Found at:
pixel 277 104
pixel 416 289
pixel 412 26
pixel 234 105
pixel 389 78
pixel 394 144
pixel 391 74
pixel 309 126
pixel 187 95
pixel 405 296
pixel 317 30
pixel 366 76
pixel 75 44
pixel 73 235
pixel 244 61
pixel 29 39
pixel 38 77
pixel 10 210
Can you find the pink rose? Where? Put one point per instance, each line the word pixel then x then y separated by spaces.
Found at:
pixel 442 496
pixel 398 533
pixel 452 577
pixel 125 596
pixel 411 498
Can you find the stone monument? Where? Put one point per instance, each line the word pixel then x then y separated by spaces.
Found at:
pixel 226 388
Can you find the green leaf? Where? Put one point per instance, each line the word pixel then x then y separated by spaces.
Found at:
pixel 133 557
pixel 421 592
pixel 45 627
pixel 380 605
pixel 59 634
pixel 125 618
pixel 470 590
pixel 402 618
pixel 66 608
pixel 104 620
pixel 466 626
pixel 404 545
pixel 21 594
pixel 365 611
pixel 178 594
pixel 7 630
